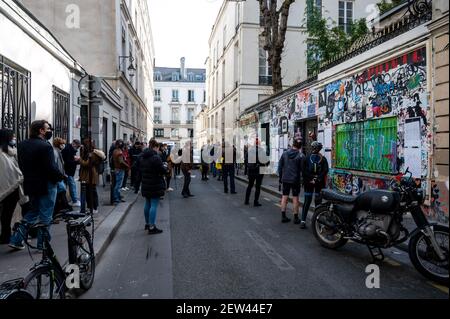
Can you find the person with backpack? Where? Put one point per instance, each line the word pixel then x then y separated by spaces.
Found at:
pixel 315 170
pixel 90 161
pixel 289 172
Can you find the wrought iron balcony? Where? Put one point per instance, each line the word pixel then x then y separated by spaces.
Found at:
pixel 175 122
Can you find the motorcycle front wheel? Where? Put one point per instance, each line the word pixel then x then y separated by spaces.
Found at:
pixel 324 224
pixel 425 259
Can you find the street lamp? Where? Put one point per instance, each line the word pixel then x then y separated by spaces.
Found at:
pixel 131 68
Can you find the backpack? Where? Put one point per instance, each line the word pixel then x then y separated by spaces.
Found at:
pixel 101 167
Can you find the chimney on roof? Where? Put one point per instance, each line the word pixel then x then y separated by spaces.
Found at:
pixel 183 71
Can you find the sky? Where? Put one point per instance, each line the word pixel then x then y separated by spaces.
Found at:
pixel 182 28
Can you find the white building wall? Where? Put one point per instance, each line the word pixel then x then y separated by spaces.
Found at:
pixel 35 50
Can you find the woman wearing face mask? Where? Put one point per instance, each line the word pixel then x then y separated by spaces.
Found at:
pixel 61 204
pixel 11 191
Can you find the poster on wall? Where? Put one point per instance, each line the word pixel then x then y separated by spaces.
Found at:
pixel 412 132
pixel 413 160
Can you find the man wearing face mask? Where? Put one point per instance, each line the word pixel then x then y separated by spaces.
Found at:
pixel 41 176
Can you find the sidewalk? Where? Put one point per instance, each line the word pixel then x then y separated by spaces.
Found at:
pixel 270 185
pixel 14 264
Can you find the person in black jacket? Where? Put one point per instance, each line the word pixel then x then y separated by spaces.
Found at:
pixel 152 171
pixel 228 168
pixel 315 170
pixel 41 175
pixel 254 160
pixel 135 151
pixel 71 161
pixel 289 172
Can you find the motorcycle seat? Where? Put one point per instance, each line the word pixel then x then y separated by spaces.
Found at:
pixel 334 196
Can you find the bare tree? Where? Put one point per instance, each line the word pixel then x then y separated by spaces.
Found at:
pixel 274 23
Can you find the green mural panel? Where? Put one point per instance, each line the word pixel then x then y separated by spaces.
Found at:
pixel 368 146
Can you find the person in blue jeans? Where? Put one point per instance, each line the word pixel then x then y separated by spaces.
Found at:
pixel 120 166
pixel 41 176
pixel 152 170
pixel 71 161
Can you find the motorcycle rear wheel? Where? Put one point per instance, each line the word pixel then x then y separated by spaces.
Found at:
pixel 424 258
pixel 325 235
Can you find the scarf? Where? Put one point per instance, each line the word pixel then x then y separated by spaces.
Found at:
pixel 11 176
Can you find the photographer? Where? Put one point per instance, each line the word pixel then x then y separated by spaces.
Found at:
pixel 315 170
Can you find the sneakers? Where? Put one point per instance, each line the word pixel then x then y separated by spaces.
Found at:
pixel 257 204
pixel 17 246
pixel 124 189
pixel 152 230
pixel 170 189
pixel 303 225
pixel 76 204
pixel 95 211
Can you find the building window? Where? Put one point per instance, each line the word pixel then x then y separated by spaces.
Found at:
pixel 15 98
pixel 190 118
pixel 157 114
pixel 158 95
pixel 265 70
pixel 367 146
pixel 124 48
pixel 133 114
pixel 204 96
pixel 314 6
pixel 175 96
pixel 191 96
pixel 158 132
pixel 190 132
pixel 61 113
pixel 175 119
pixel 345 15
pixel 175 76
pixel 158 76
pixel 191 77
pixel 174 132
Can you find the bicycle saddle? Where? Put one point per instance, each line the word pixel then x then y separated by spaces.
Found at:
pixel 73 215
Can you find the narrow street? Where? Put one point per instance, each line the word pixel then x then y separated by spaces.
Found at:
pixel 213 246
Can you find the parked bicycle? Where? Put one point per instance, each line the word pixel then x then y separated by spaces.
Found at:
pixel 47 279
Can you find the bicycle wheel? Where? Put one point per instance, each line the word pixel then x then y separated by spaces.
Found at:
pixel 45 283
pixel 85 258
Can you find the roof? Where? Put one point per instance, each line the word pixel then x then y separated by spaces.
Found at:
pixel 193 75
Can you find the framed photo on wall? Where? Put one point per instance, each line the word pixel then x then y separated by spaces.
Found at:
pixel 284 125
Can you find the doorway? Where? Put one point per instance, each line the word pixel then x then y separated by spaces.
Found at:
pixel 306 130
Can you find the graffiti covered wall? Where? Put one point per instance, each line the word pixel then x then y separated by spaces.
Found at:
pixel 380 123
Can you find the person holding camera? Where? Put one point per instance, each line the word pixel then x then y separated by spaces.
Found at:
pixel 315 170
pixel 153 171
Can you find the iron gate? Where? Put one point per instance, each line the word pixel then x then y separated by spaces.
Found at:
pixel 15 93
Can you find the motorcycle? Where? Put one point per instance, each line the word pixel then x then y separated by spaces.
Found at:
pixel 374 218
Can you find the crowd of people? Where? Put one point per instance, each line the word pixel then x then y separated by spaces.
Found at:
pixel 38 175
pixel 295 169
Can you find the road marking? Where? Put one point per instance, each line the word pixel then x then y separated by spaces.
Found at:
pixel 267 199
pixel 270 252
pixel 256 220
pixel 276 204
pixel 441 288
pixel 392 262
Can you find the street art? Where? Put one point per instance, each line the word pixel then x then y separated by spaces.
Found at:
pixel 438 208
pixel 350 184
pixel 358 107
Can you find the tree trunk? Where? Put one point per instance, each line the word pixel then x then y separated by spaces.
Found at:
pixel 274 35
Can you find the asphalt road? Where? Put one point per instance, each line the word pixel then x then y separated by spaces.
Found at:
pixel 213 246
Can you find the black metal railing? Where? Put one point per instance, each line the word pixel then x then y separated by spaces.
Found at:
pixel 61 113
pixel 175 122
pixel 417 13
pixel 15 103
pixel 265 80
